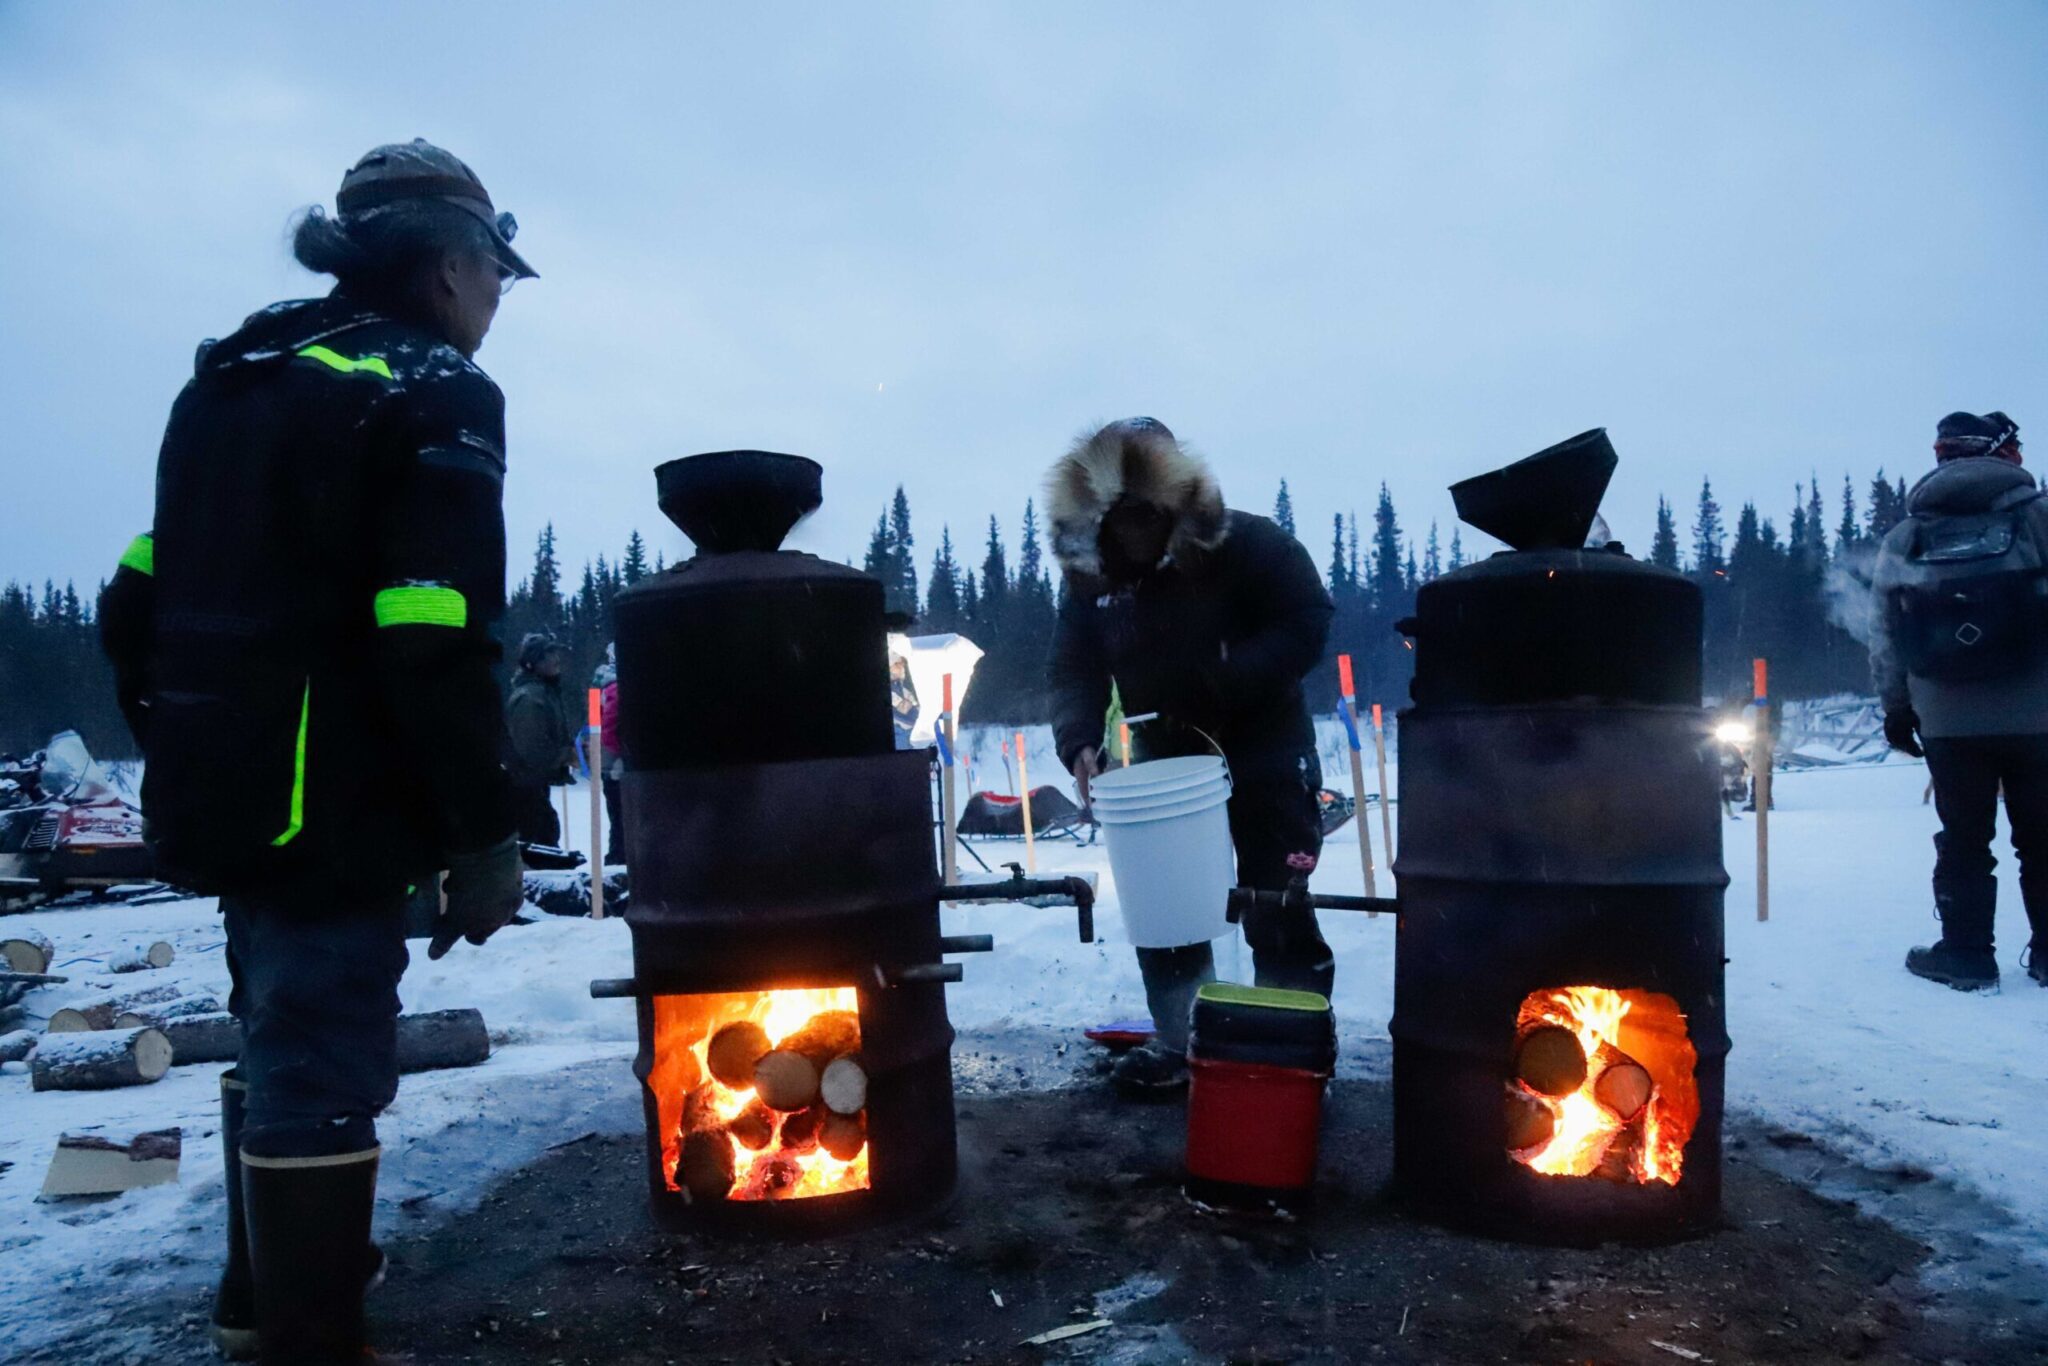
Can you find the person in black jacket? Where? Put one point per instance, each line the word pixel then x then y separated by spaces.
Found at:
pixel 1210 618
pixel 304 644
pixel 541 739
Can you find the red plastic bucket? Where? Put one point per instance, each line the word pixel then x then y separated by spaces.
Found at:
pixel 1255 1126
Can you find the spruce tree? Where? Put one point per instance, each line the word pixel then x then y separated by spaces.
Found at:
pixel 1432 557
pixel 942 597
pixel 1887 508
pixel 1847 533
pixel 1707 557
pixel 902 562
pixel 545 586
pixel 1283 509
pixel 1457 560
pixel 633 567
pixel 1388 583
pixel 1340 573
pixel 1664 545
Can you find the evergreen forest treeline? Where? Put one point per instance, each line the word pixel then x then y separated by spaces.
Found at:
pixel 1766 593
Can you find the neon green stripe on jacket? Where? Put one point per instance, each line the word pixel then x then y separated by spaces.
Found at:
pixel 422 605
pixel 140 555
pixel 369 364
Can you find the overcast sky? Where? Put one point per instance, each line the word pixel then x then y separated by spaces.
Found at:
pixel 927 243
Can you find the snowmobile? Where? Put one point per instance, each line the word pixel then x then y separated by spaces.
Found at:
pixel 64 827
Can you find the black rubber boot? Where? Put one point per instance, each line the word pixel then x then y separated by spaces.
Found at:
pixel 2035 960
pixel 234 1304
pixel 1150 1070
pixel 1953 966
pixel 309 1223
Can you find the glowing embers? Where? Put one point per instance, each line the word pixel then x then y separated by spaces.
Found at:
pixel 1602 1086
pixel 761 1095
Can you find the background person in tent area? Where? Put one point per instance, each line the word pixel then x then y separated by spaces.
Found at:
pixel 1960 659
pixel 1209 617
pixel 541 737
pixel 613 757
pixel 315 700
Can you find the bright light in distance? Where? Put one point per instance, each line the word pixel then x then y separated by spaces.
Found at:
pixel 1733 733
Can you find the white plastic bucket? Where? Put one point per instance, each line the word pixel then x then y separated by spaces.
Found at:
pixel 1169 851
pixel 1156 776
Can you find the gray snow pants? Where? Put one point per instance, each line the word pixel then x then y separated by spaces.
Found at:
pixel 316 991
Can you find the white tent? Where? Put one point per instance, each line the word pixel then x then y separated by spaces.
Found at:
pixel 931 658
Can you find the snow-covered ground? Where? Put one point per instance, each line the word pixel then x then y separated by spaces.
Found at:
pixel 1831 1037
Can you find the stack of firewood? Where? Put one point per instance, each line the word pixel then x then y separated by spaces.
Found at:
pixel 810 1095
pixel 1550 1065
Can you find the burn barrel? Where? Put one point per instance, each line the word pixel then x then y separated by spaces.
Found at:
pixel 1560 875
pixel 779 845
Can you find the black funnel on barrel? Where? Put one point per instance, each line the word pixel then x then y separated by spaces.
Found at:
pixel 738 500
pixel 1546 502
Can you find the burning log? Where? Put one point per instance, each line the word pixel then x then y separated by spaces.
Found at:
pixel 435 1039
pixel 1625 1086
pixel 17 1045
pixel 752 1127
pixel 733 1052
pixel 203 1038
pixel 1530 1122
pixel 827 1035
pixel 800 1130
pixel 785 1081
pixel 90 1164
pixel 844 1086
pixel 98 1060
pixel 705 1168
pixel 156 1013
pixel 699 1111
pixel 101 1012
pixel 843 1136
pixel 29 952
pixel 1550 1061
pixel 1622 1156
pixel 142 957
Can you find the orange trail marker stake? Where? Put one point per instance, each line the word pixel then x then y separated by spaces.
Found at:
pixel 1760 767
pixel 1024 786
pixel 596 743
pixel 1123 735
pixel 1347 705
pixel 1379 749
pixel 949 856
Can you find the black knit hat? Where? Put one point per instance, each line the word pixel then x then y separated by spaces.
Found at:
pixel 1962 434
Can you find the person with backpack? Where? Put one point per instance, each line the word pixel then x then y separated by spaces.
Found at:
pixel 305 646
pixel 1959 655
pixel 1210 618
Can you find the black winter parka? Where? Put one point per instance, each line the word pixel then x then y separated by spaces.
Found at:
pixel 305 642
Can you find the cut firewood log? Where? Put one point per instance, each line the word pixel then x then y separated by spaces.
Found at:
pixel 843 1136
pixel 1617 1163
pixel 203 1038
pixel 1624 1087
pixel 434 1039
pixel 17 1045
pixel 800 1130
pixel 142 957
pixel 733 1052
pixel 100 1059
pixel 157 1012
pixel 27 952
pixel 705 1168
pixel 827 1035
pixel 752 1127
pixel 1550 1061
pixel 844 1086
pixel 100 1012
pixel 785 1081
pixel 90 1163
pixel 698 1111
pixel 1530 1123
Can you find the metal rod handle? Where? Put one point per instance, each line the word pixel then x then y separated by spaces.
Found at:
pixel 613 988
pixel 967 943
pixel 917 973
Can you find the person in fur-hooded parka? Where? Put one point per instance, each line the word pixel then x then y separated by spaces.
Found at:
pixel 1210 618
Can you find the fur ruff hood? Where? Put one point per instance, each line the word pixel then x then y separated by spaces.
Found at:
pixel 1140 459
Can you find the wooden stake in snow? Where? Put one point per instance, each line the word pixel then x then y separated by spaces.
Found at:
pixel 30 952
pixel 1347 711
pixel 434 1039
pixel 101 1012
pixel 99 1060
pixel 1024 786
pixel 90 1163
pixel 596 805
pixel 1379 749
pixel 142 957
pixel 1760 766
pixel 203 1038
pixel 949 856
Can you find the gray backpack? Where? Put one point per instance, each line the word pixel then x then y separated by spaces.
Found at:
pixel 1976 603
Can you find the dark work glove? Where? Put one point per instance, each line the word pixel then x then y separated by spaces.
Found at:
pixel 484 888
pixel 1902 732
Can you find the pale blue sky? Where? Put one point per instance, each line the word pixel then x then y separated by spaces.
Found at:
pixel 927 243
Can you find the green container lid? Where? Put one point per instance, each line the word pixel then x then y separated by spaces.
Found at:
pixel 1263 1025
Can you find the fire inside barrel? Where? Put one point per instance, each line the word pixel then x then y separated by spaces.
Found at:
pixel 1603 1085
pixel 762 1095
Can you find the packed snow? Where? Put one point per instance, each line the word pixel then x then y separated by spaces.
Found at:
pixel 1831 1037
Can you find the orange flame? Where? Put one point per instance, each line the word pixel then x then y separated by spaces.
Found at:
pixel 683 1026
pixel 1587 1137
